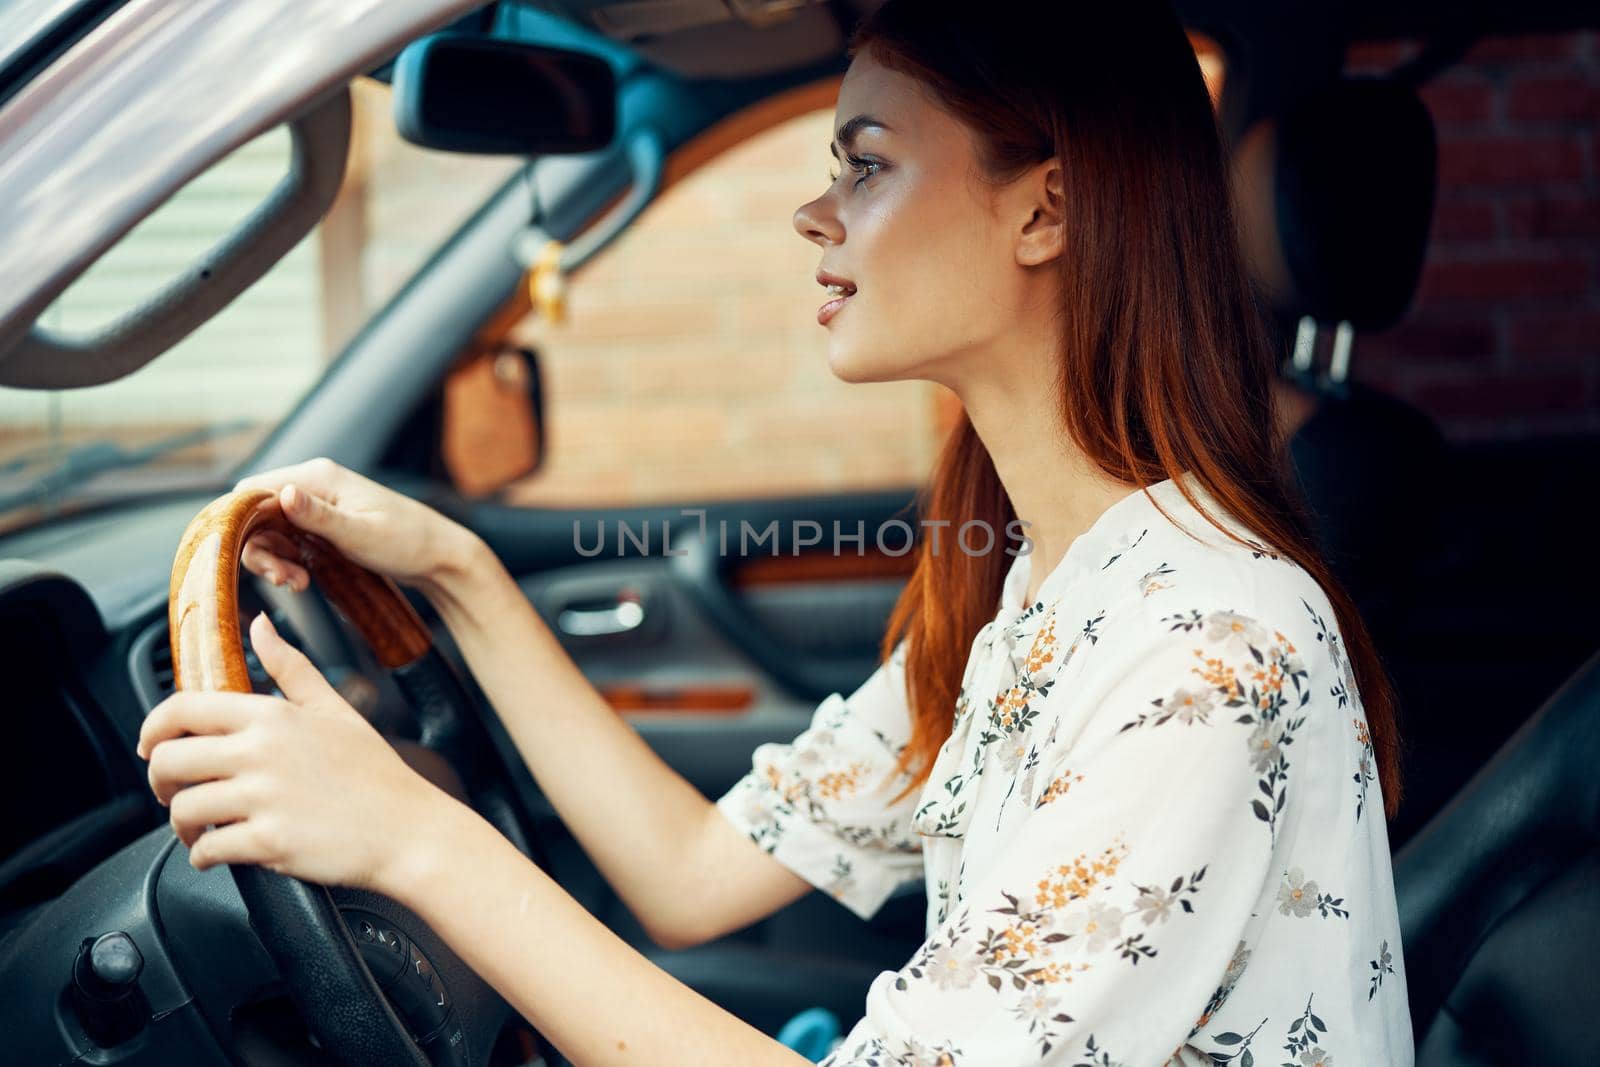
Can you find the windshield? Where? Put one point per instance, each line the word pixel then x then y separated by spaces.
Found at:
pixel 189 417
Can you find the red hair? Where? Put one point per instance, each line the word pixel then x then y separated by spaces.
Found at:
pixel 1166 361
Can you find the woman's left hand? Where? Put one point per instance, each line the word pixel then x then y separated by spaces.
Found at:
pixel 302 785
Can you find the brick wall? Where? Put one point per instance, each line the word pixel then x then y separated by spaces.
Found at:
pixel 1503 339
pixel 691 366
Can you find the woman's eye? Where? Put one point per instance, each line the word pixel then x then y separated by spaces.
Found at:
pixel 860 166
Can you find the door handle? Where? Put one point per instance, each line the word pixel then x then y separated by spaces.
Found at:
pixel 619 618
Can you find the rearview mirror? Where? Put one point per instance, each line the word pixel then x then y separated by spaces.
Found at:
pixel 461 93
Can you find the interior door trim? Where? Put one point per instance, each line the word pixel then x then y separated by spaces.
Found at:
pixel 704 574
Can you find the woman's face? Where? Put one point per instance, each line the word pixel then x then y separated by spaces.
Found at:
pixel 932 252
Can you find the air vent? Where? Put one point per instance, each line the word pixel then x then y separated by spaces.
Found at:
pixel 161 667
pixel 150 664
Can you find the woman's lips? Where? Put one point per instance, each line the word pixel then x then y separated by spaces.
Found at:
pixel 831 308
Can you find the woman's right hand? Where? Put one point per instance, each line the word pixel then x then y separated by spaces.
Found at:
pixel 369 523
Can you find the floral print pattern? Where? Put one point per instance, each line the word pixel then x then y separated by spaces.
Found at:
pixel 1366 770
pixel 1152 580
pixel 1300 898
pixel 827 793
pixel 1381 966
pixel 1139 843
pixel 1303 1042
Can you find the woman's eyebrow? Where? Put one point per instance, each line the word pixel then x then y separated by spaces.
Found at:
pixel 847 133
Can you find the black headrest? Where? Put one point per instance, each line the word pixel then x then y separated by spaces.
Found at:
pixel 1343 189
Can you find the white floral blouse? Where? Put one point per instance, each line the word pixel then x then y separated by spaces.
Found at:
pixel 1155 835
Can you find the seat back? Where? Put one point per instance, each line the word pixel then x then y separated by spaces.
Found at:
pixel 1499 898
pixel 1335 202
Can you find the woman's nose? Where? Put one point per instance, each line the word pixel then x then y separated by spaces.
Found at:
pixel 814 222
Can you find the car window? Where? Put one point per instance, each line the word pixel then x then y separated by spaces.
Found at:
pixel 194 412
pixel 690 365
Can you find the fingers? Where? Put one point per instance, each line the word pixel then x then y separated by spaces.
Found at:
pixel 309 494
pixel 247 841
pixel 197 713
pixel 183 761
pixel 313 512
pixel 321 475
pixel 296 675
pixel 272 556
pixel 274 543
pixel 198 806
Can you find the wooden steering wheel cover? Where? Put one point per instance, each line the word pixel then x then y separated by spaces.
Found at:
pixel 203 598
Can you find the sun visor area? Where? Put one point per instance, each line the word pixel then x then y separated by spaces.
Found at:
pixel 320 144
pixel 718 38
pixel 149 99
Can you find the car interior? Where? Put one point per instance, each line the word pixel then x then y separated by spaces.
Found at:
pixel 114 950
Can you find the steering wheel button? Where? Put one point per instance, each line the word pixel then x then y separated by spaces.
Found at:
pixel 380 962
pixel 440 997
pixel 383 949
pixel 419 996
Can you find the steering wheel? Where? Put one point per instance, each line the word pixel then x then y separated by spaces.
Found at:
pixel 325 969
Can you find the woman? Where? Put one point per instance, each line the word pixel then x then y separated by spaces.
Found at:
pixel 1144 780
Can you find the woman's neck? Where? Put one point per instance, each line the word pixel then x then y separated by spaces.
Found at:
pixel 1052 485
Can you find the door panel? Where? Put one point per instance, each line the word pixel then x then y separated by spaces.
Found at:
pixel 724 652
pixel 671 650
pixel 728 651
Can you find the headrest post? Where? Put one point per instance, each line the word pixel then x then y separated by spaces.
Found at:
pixel 1339 364
pixel 1305 344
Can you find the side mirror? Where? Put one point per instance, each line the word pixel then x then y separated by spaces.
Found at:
pixel 462 93
pixel 491 427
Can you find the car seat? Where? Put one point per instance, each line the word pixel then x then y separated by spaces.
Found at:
pixel 1500 898
pixel 1335 201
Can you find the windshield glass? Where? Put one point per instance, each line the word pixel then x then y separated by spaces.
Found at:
pixel 191 415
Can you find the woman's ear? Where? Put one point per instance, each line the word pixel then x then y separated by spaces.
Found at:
pixel 1043 233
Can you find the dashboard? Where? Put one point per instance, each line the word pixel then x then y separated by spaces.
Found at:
pixel 84 650
pixel 62 769
pixel 87 861
pixel 67 784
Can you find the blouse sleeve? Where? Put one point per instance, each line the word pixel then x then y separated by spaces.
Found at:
pixel 820 803
pixel 1114 919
